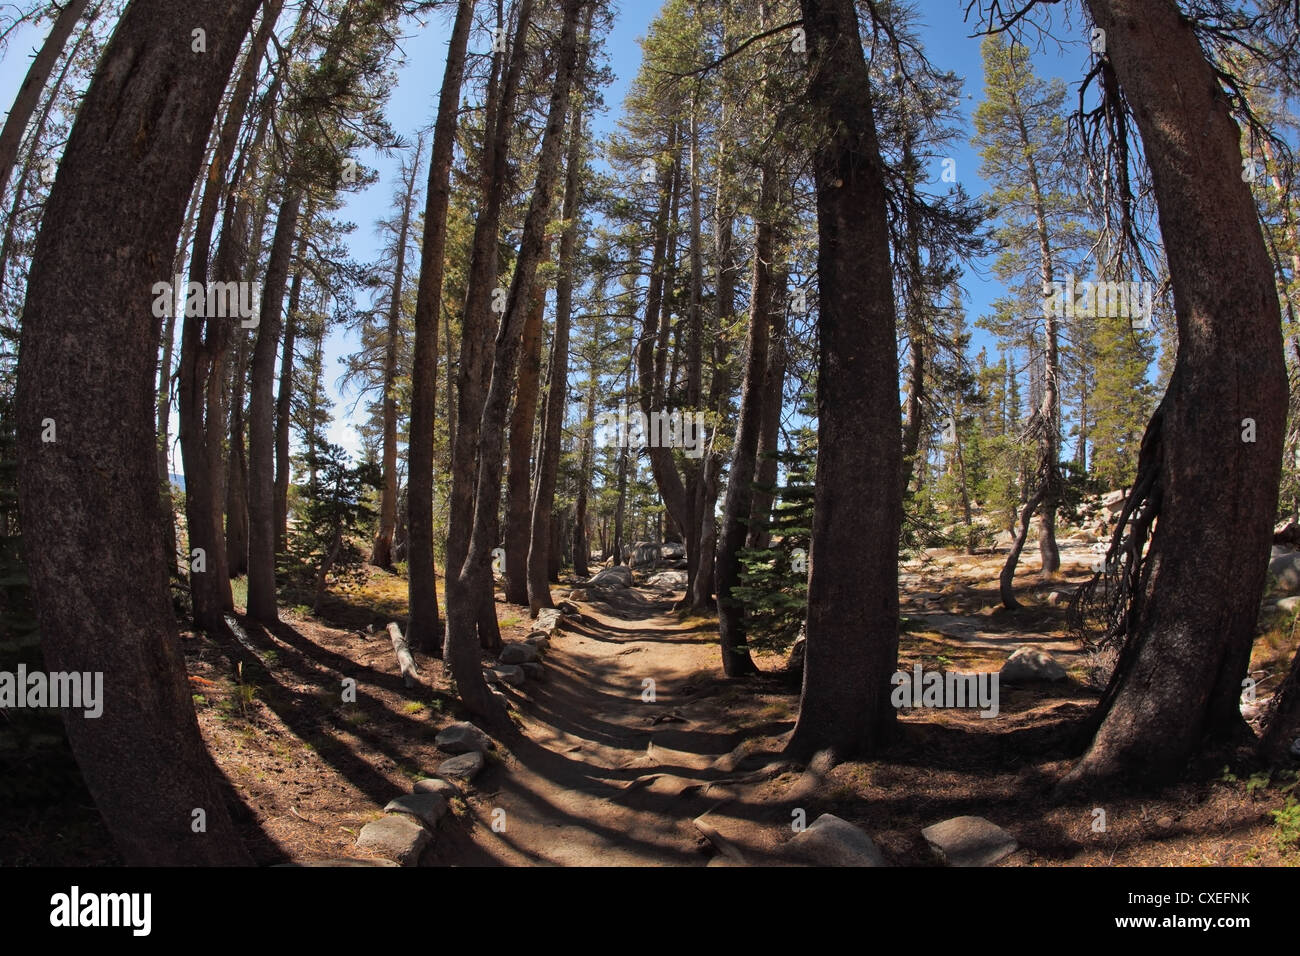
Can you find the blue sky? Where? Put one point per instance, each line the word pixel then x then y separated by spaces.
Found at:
pixel 414 103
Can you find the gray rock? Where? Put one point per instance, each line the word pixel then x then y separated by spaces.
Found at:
pixel 1031 664
pixel 534 671
pixel 444 788
pixel 514 652
pixel 397 837
pixel 428 808
pixel 1289 604
pixel 618 576
pixel 548 619
pixel 1295 747
pixel 1058 598
pixel 465 767
pixel 831 841
pixel 462 737
pixel 1286 568
pixel 670 580
pixel 539 640
pixel 511 674
pixel 969 841
pixel 1113 502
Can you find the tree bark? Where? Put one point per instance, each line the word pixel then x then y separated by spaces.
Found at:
pixel 852 623
pixel 523 419
pixel 284 395
pixel 424 628
pixel 261 417
pixel 738 504
pixel 91 496
pixel 548 463
pixel 29 93
pixel 1177 685
pixel 381 553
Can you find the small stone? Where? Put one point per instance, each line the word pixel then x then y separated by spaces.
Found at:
pixel 534 671
pixel 428 808
pixel 1165 823
pixel 396 837
pixel 511 674
pixel 1031 664
pixel 969 841
pixel 462 737
pixel 539 640
pixel 518 653
pixel 831 841
pixel 444 788
pixel 465 767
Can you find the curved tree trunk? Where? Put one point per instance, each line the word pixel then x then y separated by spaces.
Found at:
pixel 1177 686
pixel 90 497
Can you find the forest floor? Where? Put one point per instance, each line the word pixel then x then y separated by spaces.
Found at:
pixel 603 775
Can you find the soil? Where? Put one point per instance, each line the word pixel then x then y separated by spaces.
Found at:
pixel 611 769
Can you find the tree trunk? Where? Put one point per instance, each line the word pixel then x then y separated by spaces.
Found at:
pixel 548 461
pixel 29 94
pixel 1177 685
pixel 381 553
pixel 90 497
pixel 472 587
pixel 284 396
pixel 261 418
pixel 738 504
pixel 523 419
pixel 852 623
pixel 424 629
pixel 237 470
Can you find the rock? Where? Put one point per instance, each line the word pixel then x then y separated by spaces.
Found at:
pixel 1165 823
pixel 798 651
pixel 1289 604
pixel 1058 598
pixel 618 576
pixel 1004 539
pixel 672 550
pixel 426 807
pixel 1286 568
pixel 669 580
pixel 534 671
pixel 517 652
pixel 465 767
pixel 831 841
pixel 1083 537
pixel 577 594
pixel 396 837
pixel 969 841
pixel 549 619
pixel 1113 502
pixel 1031 664
pixel 641 554
pixel 1295 747
pixel 540 640
pixel 1287 532
pixel 462 737
pixel 444 788
pixel 511 674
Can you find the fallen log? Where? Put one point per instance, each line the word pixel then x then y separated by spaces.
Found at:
pixel 404 659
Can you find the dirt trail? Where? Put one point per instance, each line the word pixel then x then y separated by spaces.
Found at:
pixel 603 776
